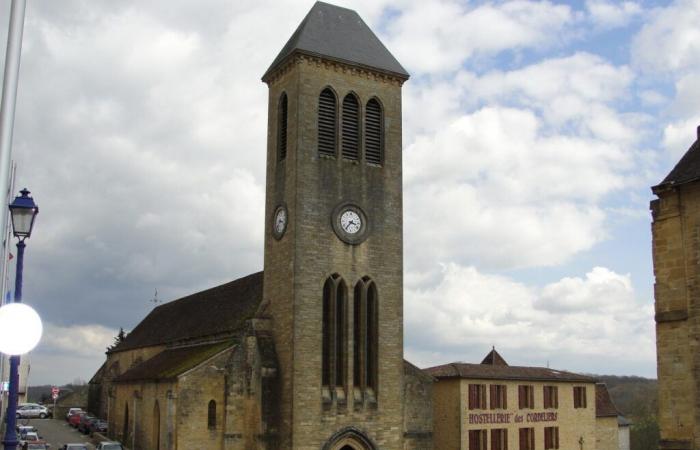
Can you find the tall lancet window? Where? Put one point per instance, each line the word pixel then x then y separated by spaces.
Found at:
pixel 335 339
pixel 351 127
pixel 327 123
pixel 374 136
pixel 282 128
pixel 365 334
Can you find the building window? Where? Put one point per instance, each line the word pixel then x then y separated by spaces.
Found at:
pixel 499 439
pixel 282 128
pixel 551 396
pixel 211 415
pixel 477 396
pixel 333 332
pixel 526 397
pixel 374 141
pixel 365 334
pixel 498 396
pixel 351 127
pixel 551 438
pixel 327 123
pixel 477 440
pixel 579 396
pixel 527 438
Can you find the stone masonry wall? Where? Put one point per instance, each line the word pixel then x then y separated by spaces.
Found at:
pixel 297 266
pixel 607 436
pixel 418 409
pixel 675 250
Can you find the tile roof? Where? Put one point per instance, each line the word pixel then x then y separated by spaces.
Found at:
pixel 687 169
pixel 170 363
pixel 604 406
pixel 338 34
pixel 220 310
pixel 494 372
pixel 494 359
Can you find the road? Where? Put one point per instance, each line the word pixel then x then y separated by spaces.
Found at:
pixel 57 432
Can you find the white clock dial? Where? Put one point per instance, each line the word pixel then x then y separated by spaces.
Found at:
pixel 350 221
pixel 280 221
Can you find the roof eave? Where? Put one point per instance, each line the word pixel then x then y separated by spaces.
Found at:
pixel 403 77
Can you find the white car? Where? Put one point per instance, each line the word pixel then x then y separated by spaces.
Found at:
pixel 105 445
pixel 32 410
pixel 72 411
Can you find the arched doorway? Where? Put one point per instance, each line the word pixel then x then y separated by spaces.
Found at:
pixel 350 438
pixel 156 426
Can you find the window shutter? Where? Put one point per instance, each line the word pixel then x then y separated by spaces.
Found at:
pixel 373 132
pixel 492 396
pixel 327 123
pixel 351 127
pixel 531 398
pixel 282 137
pixel 522 438
pixel 505 397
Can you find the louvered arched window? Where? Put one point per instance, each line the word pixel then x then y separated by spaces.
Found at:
pixel 374 138
pixel 365 334
pixel 334 335
pixel 351 127
pixel 282 128
pixel 327 123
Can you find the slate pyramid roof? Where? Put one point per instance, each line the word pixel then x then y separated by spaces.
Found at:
pixel 687 169
pixel 494 359
pixel 338 34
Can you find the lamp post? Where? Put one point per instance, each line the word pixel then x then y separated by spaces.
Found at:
pixel 23 211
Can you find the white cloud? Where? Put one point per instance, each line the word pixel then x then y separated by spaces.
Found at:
pixel 607 14
pixel 439 36
pixel 582 324
pixel 670 39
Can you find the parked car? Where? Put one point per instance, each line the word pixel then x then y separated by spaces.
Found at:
pixel 26 410
pixel 38 446
pixel 74 447
pixel 24 429
pixel 109 445
pixel 85 423
pixel 74 420
pixel 72 411
pixel 98 426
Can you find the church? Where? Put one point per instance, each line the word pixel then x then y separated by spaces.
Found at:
pixel 308 353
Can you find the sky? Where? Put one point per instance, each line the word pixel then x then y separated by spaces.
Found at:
pixel 532 132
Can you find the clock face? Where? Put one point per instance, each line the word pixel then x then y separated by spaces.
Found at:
pixel 279 224
pixel 350 221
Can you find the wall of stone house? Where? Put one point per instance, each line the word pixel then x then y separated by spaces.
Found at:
pixel 252 386
pixel 624 437
pixel 447 414
pixel 195 389
pixel 676 244
pixel 418 409
pixel 141 399
pixel 606 433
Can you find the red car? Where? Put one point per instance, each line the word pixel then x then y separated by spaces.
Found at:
pixel 74 420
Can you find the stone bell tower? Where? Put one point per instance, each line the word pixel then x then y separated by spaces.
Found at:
pixel 333 234
pixel 676 248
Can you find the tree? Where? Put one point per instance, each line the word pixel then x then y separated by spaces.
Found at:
pixel 118 339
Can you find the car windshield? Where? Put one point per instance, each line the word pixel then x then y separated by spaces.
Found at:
pixel 76 447
pixel 112 447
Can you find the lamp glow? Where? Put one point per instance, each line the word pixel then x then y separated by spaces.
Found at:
pixel 20 329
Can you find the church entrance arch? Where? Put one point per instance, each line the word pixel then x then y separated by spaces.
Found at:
pixel 349 439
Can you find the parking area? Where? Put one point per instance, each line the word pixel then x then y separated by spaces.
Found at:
pixel 57 432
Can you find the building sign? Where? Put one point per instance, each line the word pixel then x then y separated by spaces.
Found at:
pixel 497 418
pixel 4 386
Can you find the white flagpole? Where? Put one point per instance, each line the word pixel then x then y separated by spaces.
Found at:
pixel 9 100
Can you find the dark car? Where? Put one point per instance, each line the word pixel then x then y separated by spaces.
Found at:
pixel 98 426
pixel 85 423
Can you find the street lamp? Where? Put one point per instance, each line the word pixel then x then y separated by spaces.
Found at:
pixel 23 212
